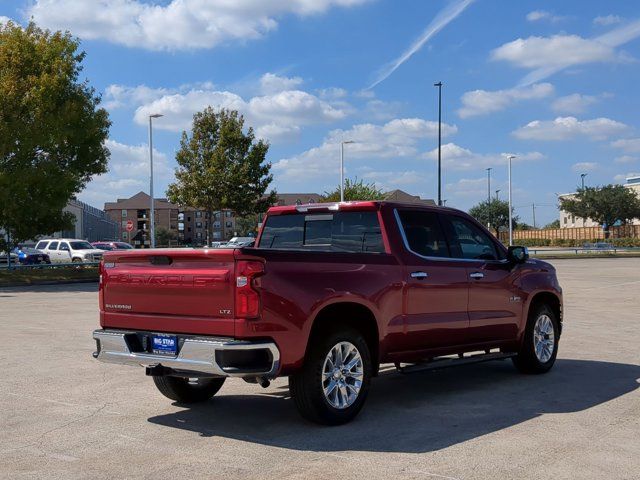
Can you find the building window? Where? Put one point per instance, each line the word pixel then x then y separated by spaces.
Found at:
pixel 188 219
pixel 216 224
pixel 198 214
pixel 228 224
pixel 198 224
pixel 216 215
pixel 227 213
pixel 181 217
pixel 565 220
pixel 199 235
pixel 124 214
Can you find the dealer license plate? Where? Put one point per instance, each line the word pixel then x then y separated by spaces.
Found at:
pixel 164 344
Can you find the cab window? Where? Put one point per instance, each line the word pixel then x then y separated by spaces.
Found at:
pixel 467 240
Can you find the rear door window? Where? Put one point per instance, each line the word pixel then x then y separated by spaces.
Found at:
pixel 338 232
pixel 423 233
pixel 53 246
pixel 469 241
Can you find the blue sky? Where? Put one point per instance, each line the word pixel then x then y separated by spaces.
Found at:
pixel 554 83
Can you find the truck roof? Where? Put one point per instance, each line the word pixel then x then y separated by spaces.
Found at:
pixel 346 206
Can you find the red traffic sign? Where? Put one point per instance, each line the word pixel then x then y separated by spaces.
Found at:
pixel 129 225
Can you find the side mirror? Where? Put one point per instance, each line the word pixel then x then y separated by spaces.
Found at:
pixel 518 254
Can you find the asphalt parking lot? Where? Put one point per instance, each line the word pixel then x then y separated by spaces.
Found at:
pixel 64 415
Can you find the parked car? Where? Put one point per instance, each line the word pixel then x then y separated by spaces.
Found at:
pixel 4 258
pixel 330 292
pixel 69 250
pixel 239 242
pixel 112 246
pixel 31 256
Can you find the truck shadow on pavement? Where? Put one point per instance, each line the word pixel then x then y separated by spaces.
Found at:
pixel 415 413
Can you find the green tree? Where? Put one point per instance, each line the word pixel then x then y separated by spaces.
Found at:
pixel 165 237
pixel 220 166
pixel 355 190
pixel 552 225
pixel 52 132
pixel 247 226
pixel 606 205
pixel 494 213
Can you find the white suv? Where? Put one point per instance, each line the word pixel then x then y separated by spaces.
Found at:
pixel 69 250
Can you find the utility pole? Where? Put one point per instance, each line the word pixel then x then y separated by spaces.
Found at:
pixel 533 207
pixel 510 157
pixel 439 85
pixel 489 195
pixel 342 144
pixel 153 213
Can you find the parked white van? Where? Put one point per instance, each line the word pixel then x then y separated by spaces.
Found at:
pixel 69 250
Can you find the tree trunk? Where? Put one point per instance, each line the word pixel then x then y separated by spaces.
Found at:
pixel 209 226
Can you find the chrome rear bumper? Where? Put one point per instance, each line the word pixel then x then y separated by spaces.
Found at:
pixel 197 354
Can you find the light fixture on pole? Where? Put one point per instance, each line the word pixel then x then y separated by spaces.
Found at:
pixel 439 85
pixel 510 157
pixel 497 197
pixel 342 144
pixel 152 225
pixel 582 175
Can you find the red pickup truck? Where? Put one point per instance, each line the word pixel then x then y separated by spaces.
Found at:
pixel 328 293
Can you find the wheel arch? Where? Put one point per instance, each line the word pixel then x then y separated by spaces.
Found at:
pixel 547 298
pixel 351 314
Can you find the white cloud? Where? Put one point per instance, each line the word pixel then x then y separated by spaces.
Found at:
pixel 538 15
pixel 118 96
pixel 575 103
pixel 606 20
pixel 398 138
pixel 628 145
pixel 128 174
pixel 271 83
pixel 4 19
pixel 482 102
pixel 626 159
pixel 456 157
pixel 276 117
pixel 332 93
pixel 584 166
pixel 173 25
pixel 546 56
pixel 565 128
pixel 441 20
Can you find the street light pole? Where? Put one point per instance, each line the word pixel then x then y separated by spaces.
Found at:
pixel 489 194
pixel 510 157
pixel 497 197
pixel 582 175
pixel 439 85
pixel 342 144
pixel 153 216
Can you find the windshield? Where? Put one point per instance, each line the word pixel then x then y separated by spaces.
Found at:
pixel 81 246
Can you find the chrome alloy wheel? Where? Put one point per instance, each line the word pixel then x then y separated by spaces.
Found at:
pixel 342 375
pixel 543 338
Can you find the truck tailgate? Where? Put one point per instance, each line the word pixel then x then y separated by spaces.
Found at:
pixel 172 290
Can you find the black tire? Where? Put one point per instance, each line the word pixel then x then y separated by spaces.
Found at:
pixel 306 387
pixel 188 390
pixel 76 260
pixel 527 361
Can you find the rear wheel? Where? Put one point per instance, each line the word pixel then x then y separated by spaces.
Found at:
pixel 76 260
pixel 540 345
pixel 188 390
pixel 333 384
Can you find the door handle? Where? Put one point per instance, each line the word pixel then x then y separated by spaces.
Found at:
pixel 419 275
pixel 476 275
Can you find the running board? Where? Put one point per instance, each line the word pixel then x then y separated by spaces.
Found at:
pixel 437 364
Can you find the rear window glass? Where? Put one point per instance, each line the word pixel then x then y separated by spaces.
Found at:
pixel 339 232
pixel 423 233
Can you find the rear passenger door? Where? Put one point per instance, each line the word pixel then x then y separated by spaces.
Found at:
pixel 495 306
pixel 436 285
pixel 52 250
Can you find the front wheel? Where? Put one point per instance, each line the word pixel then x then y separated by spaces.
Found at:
pixel 334 381
pixel 540 345
pixel 188 390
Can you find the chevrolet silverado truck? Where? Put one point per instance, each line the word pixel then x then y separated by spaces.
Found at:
pixel 328 293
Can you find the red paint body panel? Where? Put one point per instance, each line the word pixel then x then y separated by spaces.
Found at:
pixel 192 291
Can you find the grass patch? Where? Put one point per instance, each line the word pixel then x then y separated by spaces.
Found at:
pixel 46 275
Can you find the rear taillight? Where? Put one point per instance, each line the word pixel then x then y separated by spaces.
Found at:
pixel 247 298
